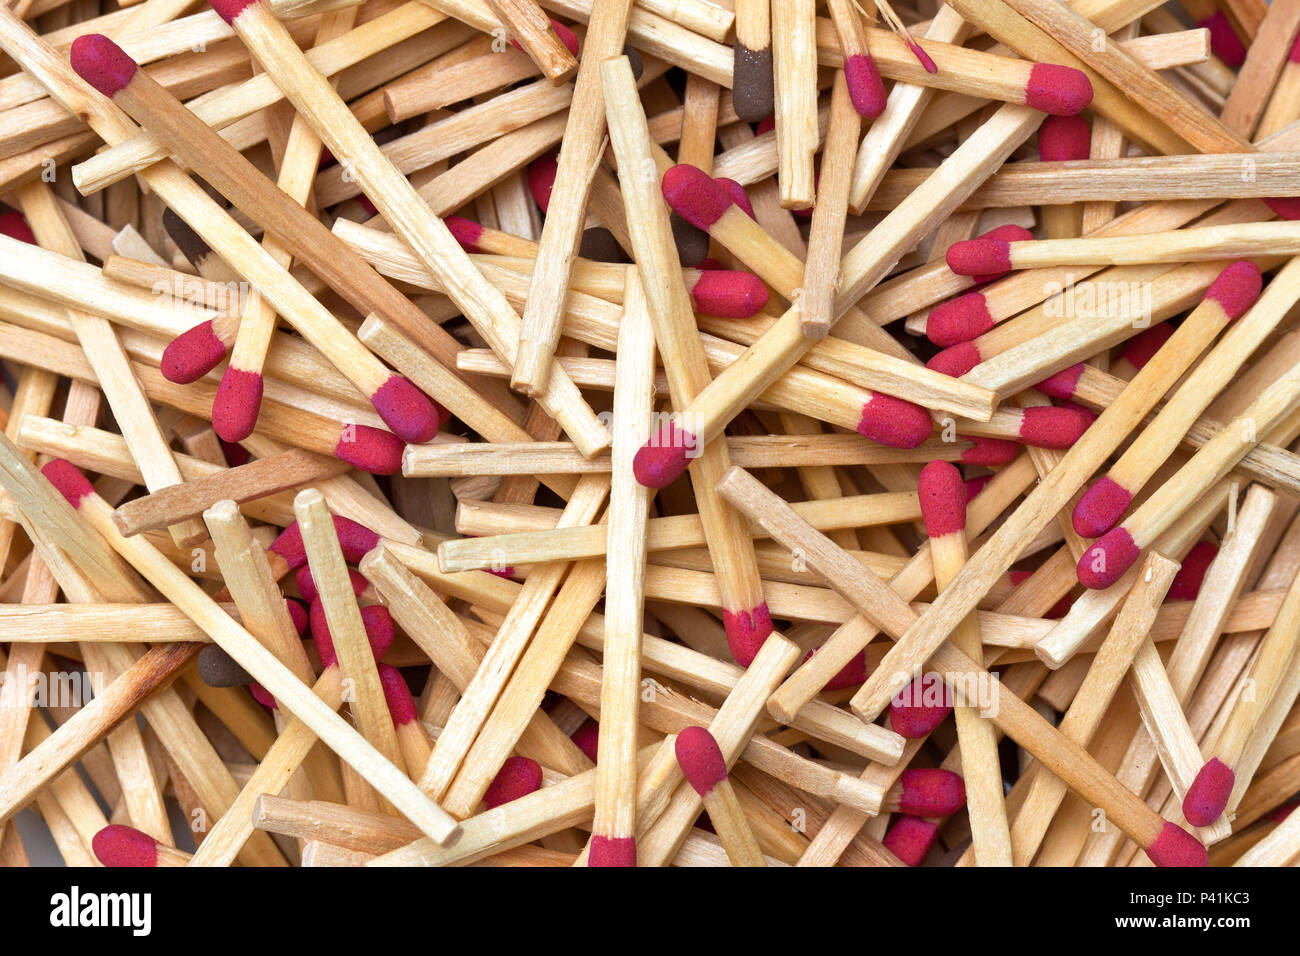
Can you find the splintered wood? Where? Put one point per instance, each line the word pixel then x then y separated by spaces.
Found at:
pixel 629 432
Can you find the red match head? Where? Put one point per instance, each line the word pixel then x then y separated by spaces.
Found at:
pixel 1011 233
pixel 1046 426
pixel 465 231
pixel 1106 561
pixel 229 10
pixel 975 485
pixel 894 422
pixel 102 63
pixel 119 846
pixel 931 793
pixel 990 452
pixel 1187 582
pixel 920 707
pixel 587 737
pixel 400 703
pixel 14 225
pixel 1062 139
pixel 973 257
pixel 737 194
pixel 67 480
pixel 1059 90
pixel 746 632
pixel 406 410
pixel 701 759
pixel 370 449
pixel 850 675
pixel 1063 383
pixel 1101 507
pixel 309 591
pixel 1142 348
pixel 192 354
pixel 517 778
pixel 1236 288
pixel 1208 795
pixel 1224 42
pixel 695 195
pixel 611 851
pixel 957 360
pixel 234 410
pixel 1288 207
pixel 910 839
pixel 668 453
pixel 541 179
pixel 1176 847
pixel 298 614
pixel 958 320
pixel 866 90
pixel 378 625
pixel 729 294
pixel 943 499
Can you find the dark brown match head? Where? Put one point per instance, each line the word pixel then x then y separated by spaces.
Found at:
pixel 599 245
pixel 192 246
pixel 692 242
pixel 219 669
pixel 753 90
pixel 102 63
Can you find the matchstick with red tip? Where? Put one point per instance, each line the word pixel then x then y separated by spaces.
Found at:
pixel 1063 139
pixel 705 770
pixel 866 89
pixel 123 846
pixel 411 738
pixel 518 777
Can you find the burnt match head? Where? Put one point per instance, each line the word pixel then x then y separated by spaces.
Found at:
pixel 218 669
pixel 102 63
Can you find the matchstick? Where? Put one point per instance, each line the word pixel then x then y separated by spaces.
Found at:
pixel 794 59
pixel 613 840
pixel 754 83
pixel 865 87
pixel 1063 139
pixel 118 845
pixel 530 27
pixel 705 770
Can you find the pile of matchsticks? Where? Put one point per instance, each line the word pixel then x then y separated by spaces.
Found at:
pixel 650 432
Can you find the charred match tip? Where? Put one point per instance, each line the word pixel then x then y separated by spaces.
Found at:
pixel 378 625
pixel 1176 847
pixel 102 63
pixel 192 354
pixel 894 422
pixel 695 195
pixel 691 241
pixel 68 480
pixel 754 90
pixel 1047 426
pixel 406 410
pixel 1063 139
pixel 866 89
pixel 1106 561
pixel 931 793
pixel 1063 384
pixel 235 408
pixel 218 669
pixel 401 705
pixel 612 851
pixel 518 777
pixel 228 10
pixel 119 846
pixel 958 320
pixel 1236 288
pixel 910 839
pixel 1059 90
pixel 957 360
pixel 1224 42
pixel 370 449
pixel 943 498
pixel 700 758
pixel 729 293
pixel 746 632
pixel 1208 795
pixel 973 257
pixel 1100 508
pixel 1187 582
pixel 661 460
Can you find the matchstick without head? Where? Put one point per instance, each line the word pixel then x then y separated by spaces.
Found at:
pixel 794 58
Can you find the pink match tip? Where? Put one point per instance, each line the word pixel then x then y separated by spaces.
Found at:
pixel 894 422
pixel 1187 582
pixel 1106 561
pixel 1100 508
pixel 1059 90
pixel 1046 426
pixel 406 410
pixel 931 793
pixel 1176 847
pixel 922 56
pixel 695 195
pixel 518 777
pixel 401 706
pixel 701 759
pixel 612 851
pixel 973 257
pixel 1208 795
pixel 1011 233
pixel 566 36
pixel 1062 139
pixel 118 845
pixel 234 410
pixel 298 614
pixel 1224 42
pixel 464 231
pixel 956 360
pixel 958 320
pixel 746 632
pixel 14 225
pixel 67 480
pixel 850 675
pixel 234 454
pixel 737 194
pixel 910 839
pixel 261 695
pixel 230 9
pixel 920 707
pixel 728 293
pixel 192 354
pixel 307 584
pixel 1294 55
pixel 1288 207
pixel 668 453
pixel 1142 348
pixel 378 625
pixel 355 539
pixel 541 179
pixel 975 485
pixel 990 452
pixel 587 737
pixel 370 449
pixel 1236 288
pixel 102 63
pixel 1063 384
pixel 943 499
pixel 866 89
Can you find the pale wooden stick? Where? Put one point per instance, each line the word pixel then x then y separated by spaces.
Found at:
pixel 794 56
pixel 526 22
